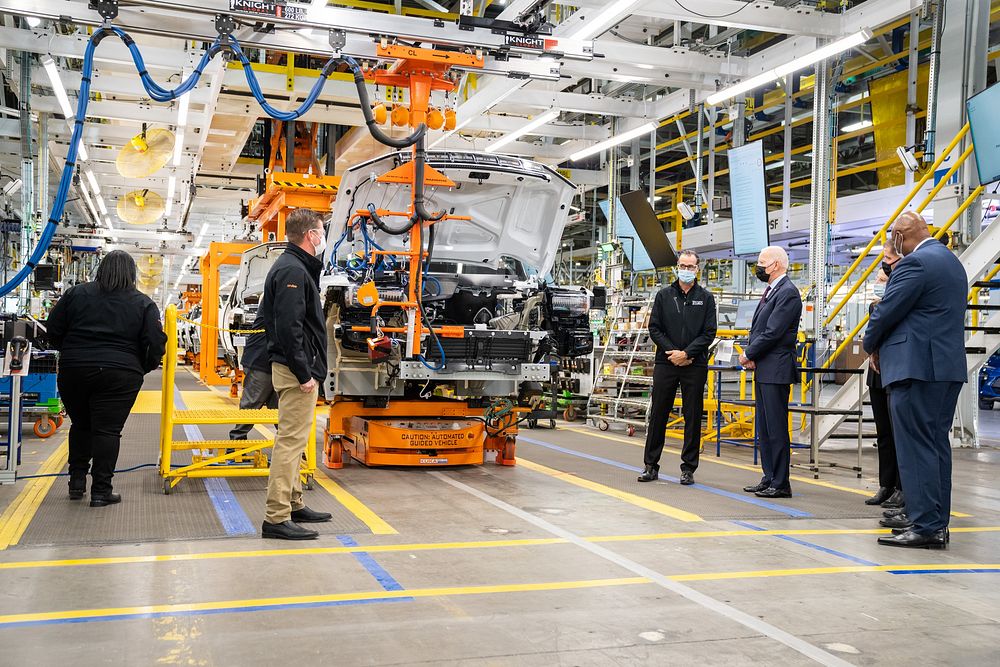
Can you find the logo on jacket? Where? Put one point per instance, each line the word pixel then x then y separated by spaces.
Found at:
pixel 697 303
pixel 292 286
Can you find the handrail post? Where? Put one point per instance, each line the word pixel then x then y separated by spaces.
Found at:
pixel 167 389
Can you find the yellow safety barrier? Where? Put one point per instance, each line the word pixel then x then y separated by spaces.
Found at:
pixel 214 458
pixel 879 236
pixel 223 329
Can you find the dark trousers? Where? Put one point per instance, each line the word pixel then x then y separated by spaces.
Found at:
pixel 98 401
pixel 666 379
pixel 888 469
pixel 258 392
pixel 922 414
pixel 771 422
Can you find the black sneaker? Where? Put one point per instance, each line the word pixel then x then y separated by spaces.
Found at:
pixel 287 530
pixel 306 515
pixel 650 474
pixel 687 478
pixel 105 500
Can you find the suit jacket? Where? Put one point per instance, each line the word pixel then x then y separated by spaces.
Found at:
pixel 918 328
pixel 773 335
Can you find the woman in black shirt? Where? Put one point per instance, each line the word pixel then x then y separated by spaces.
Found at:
pixel 109 335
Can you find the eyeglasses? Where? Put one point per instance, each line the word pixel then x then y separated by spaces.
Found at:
pixel 688 267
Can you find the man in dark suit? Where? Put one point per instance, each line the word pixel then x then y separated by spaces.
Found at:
pixel 771 355
pixel 916 339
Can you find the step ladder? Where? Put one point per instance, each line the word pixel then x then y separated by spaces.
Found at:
pixel 214 458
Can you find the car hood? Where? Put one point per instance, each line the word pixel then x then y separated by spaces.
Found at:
pixel 518 208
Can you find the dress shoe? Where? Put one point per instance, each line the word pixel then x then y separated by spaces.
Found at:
pixel 898 521
pixel 773 493
pixel 77 488
pixel 888 514
pixel 287 530
pixel 895 501
pixel 306 515
pixel 104 500
pixel 650 474
pixel 913 540
pixel 943 533
pixel 880 496
pixel 754 488
pixel 687 479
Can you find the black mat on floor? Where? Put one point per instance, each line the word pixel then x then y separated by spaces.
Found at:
pixel 191 512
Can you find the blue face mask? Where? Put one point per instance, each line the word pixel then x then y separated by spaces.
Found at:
pixel 686 276
pixel 879 289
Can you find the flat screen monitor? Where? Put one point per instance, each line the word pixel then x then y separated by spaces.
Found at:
pixel 649 229
pixel 982 109
pixel 751 233
pixel 634 251
pixel 744 313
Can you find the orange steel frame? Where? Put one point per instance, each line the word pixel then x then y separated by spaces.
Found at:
pixel 286 192
pixel 218 255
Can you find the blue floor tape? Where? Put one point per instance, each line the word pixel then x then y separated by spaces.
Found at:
pixel 743 498
pixel 231 515
pixel 384 579
pixel 817 547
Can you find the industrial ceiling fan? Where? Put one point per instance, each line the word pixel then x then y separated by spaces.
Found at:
pixel 141 207
pixel 146 153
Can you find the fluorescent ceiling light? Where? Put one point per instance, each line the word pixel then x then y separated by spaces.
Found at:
pixel 527 128
pixel 100 205
pixel 603 20
pixel 93 181
pixel 33 21
pixel 614 141
pixel 644 66
pixel 81 152
pixel 822 53
pixel 57 86
pixel 86 200
pixel 182 108
pixel 179 147
pixel 853 127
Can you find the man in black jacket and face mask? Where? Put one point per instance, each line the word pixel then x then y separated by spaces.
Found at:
pixel 683 325
pixel 292 314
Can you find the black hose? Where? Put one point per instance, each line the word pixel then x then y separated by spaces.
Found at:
pixel 419 160
pixel 366 109
pixel 387 228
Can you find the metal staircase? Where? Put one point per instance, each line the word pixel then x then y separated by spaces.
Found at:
pixel 982 340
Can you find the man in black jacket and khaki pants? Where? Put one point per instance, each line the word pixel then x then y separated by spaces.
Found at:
pixel 292 313
pixel 683 325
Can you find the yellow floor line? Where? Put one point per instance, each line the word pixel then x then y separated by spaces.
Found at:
pixel 365 514
pixel 443 546
pixel 741 466
pixel 638 501
pixel 258 603
pixel 374 522
pixel 236 605
pixel 18 515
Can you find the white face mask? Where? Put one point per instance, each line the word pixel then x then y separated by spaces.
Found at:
pixel 321 246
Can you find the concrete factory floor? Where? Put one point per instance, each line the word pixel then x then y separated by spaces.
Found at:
pixel 562 560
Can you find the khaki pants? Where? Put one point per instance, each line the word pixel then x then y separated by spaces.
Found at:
pixel 295 418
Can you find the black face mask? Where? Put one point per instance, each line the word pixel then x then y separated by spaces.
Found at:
pixel 887 268
pixel 761 273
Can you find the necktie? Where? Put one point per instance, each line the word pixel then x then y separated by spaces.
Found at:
pixel 767 290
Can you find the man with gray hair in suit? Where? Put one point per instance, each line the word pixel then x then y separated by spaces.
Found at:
pixel 771 355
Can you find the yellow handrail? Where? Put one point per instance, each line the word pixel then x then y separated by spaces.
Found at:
pixel 916 188
pixel 927 200
pixel 940 232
